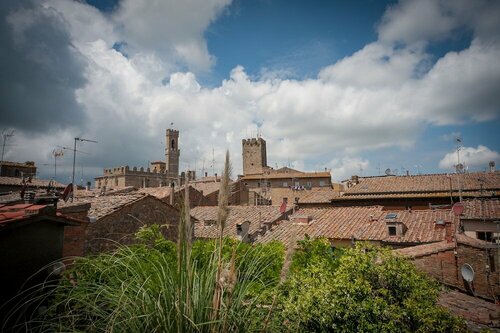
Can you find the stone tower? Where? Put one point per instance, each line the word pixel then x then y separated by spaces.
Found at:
pixel 254 156
pixel 172 153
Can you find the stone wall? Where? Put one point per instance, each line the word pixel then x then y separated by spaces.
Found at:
pixel 121 225
pixel 445 267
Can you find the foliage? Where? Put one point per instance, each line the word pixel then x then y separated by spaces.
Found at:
pixel 371 290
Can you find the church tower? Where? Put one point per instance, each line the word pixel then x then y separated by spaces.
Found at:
pixel 172 153
pixel 254 156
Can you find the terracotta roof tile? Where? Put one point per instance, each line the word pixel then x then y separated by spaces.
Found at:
pixel 237 214
pixel 101 206
pixel 363 223
pixel 314 195
pixel 288 175
pixel 35 182
pixel 479 209
pixel 489 181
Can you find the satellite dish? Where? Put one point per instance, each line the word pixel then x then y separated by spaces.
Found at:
pixel 388 172
pixel 467 272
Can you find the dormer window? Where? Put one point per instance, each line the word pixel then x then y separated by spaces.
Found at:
pixel 209 223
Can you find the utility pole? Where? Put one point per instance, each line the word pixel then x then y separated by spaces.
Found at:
pixel 74 161
pixel 5 136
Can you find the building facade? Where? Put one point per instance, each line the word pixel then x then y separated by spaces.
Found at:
pixel 159 174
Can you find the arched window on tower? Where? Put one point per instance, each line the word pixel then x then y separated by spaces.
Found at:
pixel 172 145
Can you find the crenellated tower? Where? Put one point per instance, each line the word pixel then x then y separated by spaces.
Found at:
pixel 254 156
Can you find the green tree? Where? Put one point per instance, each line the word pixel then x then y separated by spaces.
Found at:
pixel 369 290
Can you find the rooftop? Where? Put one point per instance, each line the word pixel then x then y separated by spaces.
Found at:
pixel 307 196
pixel 256 215
pixel 100 206
pixel 438 183
pixel 287 175
pixel 19 213
pixel 35 182
pixel 479 209
pixel 362 223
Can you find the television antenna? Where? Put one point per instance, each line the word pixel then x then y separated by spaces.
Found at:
pixel 5 136
pixel 459 166
pixel 74 161
pixel 56 153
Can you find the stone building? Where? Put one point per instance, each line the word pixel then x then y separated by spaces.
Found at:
pixel 444 261
pixel 159 174
pixel 16 169
pixel 114 219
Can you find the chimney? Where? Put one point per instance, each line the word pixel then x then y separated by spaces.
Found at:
pixel 206 174
pixel 215 176
pixel 492 166
pixel 172 194
pixel 29 197
pixel 407 172
pixel 355 180
pixel 242 231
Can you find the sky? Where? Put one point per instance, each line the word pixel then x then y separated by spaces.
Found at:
pixel 356 87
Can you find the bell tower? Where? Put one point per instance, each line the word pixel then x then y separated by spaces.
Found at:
pixel 172 152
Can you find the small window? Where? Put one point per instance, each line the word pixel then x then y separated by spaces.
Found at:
pixel 285 184
pixel 209 223
pixel 484 235
pixel 321 183
pixel 392 231
pixel 116 181
pixel 297 184
pixel 172 144
pixel 258 184
pixel 391 216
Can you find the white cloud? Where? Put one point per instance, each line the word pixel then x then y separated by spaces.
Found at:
pixel 471 157
pixel 379 97
pixel 346 167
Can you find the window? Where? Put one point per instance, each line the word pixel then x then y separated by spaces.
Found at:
pixel 209 223
pixel 297 184
pixel 285 184
pixel 392 231
pixel 116 181
pixel 321 183
pixel 484 235
pixel 391 216
pixel 258 184
pixel 308 185
pixel 172 145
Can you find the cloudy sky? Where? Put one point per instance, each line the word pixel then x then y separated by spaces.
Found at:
pixel 355 87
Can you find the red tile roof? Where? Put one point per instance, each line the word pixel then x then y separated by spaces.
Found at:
pixel 317 195
pixel 437 183
pixel 103 205
pixel 288 175
pixel 256 215
pixel 35 182
pixel 12 214
pixel 481 209
pixel 363 223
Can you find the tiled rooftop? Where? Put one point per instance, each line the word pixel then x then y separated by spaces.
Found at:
pixel 362 223
pixel 488 181
pixel 237 214
pixel 479 313
pixel 206 187
pixel 35 182
pixel 12 214
pixel 104 205
pixel 297 175
pixel 314 195
pixel 488 209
